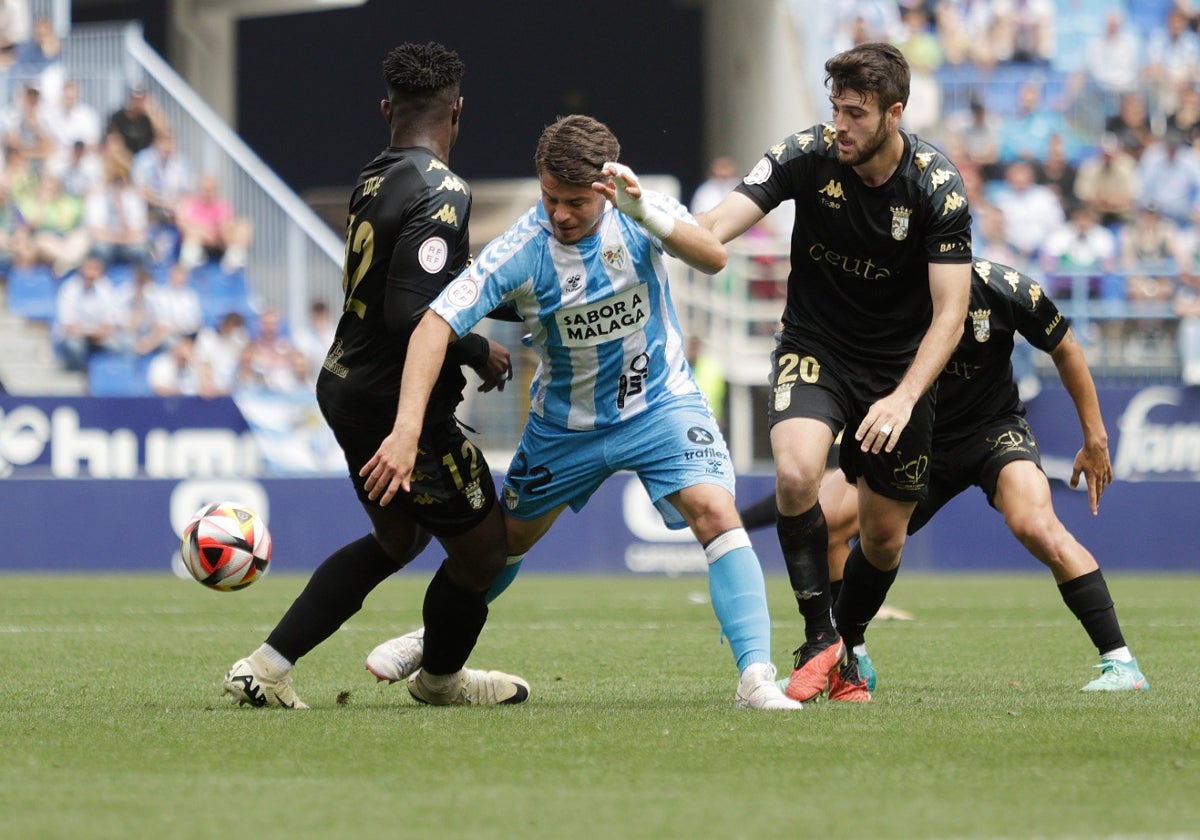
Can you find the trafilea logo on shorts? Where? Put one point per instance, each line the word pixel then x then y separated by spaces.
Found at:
pixel 900 223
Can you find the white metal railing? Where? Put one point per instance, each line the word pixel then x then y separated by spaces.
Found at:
pixel 295 257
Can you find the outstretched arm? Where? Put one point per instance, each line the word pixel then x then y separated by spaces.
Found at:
pixel 691 243
pixel 1092 459
pixel 390 468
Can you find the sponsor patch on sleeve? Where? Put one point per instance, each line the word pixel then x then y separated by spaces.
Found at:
pixel 759 174
pixel 432 254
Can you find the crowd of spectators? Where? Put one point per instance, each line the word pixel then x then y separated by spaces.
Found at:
pixel 1076 125
pixel 109 210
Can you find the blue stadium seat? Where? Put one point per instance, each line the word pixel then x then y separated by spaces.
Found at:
pixel 221 293
pixel 117 375
pixel 31 292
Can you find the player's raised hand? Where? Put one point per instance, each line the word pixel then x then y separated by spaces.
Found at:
pixel 624 191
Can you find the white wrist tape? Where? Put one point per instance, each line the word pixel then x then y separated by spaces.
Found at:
pixel 658 222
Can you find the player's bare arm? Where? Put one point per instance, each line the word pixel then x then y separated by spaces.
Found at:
pixel 693 244
pixel 950 289
pixel 390 469
pixel 1092 460
pixel 735 215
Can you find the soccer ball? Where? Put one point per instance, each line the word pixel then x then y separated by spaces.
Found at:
pixel 226 546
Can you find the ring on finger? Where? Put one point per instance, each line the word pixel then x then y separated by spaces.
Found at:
pixel 885 429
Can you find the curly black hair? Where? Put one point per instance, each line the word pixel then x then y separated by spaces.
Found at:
pixel 422 70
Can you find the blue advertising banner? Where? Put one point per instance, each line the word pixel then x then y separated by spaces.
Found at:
pixel 106 486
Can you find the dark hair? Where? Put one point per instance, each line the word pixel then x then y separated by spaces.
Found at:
pixel 876 68
pixel 574 149
pixel 422 71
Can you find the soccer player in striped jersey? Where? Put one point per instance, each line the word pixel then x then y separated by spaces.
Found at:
pixel 585 270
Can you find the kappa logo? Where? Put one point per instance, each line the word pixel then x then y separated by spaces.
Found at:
pixel 447 215
pixel 424 499
pixel 941 177
pixel 954 201
pixel 1013 279
pixel 452 183
pixel 436 164
pixel 804 140
pixel 700 435
pixel 833 190
pixel 984 269
pixel 923 159
pixel 828 135
pixel 778 149
pixel 1035 295
pixel 981 325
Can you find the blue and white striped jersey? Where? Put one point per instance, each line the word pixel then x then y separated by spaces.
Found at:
pixel 599 315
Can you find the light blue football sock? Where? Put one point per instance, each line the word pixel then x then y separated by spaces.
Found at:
pixel 505 578
pixel 739 597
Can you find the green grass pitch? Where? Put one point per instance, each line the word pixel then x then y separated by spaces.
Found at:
pixel 111 723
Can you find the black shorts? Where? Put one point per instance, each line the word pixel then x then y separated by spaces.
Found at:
pixel 975 459
pixel 802 386
pixel 452 485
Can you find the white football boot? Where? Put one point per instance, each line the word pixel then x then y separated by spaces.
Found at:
pixel 468 687
pixel 398 659
pixel 257 682
pixel 757 690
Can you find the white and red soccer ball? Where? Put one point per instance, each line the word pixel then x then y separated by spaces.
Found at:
pixel 226 546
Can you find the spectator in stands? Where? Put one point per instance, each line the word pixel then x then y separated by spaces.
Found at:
pixel 176 308
pixel 88 315
pixel 25 129
pixel 976 131
pixel 163 176
pixel 39 59
pixel 1131 124
pixel 219 354
pixel 117 222
pixel 314 338
pixel 9 220
pixel 1172 60
pixel 1185 120
pixel 920 46
pixel 78 168
pixel 1081 251
pixel 860 21
pixel 51 230
pixel 1057 172
pixel 136 121
pixel 1030 211
pixel 1169 178
pixel 143 332
pixel 114 154
pixel 1150 251
pixel 1026 134
pixel 723 175
pixel 271 361
pixel 72 120
pixel 967 30
pixel 1186 306
pixel 174 372
pixel 988 239
pixel 1024 30
pixel 1113 63
pixel 15 29
pixel 22 179
pixel 210 229
pixel 1107 181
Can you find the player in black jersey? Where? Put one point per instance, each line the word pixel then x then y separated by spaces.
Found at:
pixel 980 438
pixel 877 294
pixel 406 238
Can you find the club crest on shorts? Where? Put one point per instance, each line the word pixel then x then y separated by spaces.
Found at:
pixel 474 494
pixel 900 223
pixel 981 324
pixel 511 500
pixel 783 397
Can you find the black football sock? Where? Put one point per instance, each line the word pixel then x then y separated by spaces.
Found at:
pixel 760 514
pixel 334 593
pixel 864 589
pixel 454 617
pixel 805 543
pixel 835 591
pixel 1087 597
